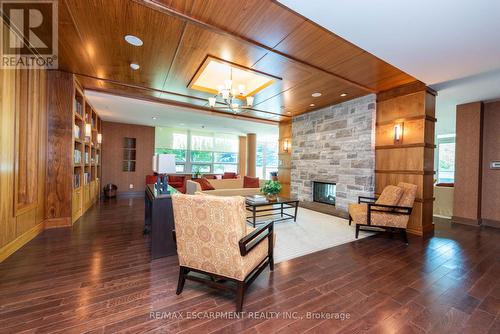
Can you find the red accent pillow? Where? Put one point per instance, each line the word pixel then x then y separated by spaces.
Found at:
pixel 229 175
pixel 150 179
pixel 205 185
pixel 251 182
pixel 176 178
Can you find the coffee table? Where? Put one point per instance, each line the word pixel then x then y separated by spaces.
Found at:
pixel 270 207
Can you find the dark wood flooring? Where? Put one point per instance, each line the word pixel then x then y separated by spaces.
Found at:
pixel 98 278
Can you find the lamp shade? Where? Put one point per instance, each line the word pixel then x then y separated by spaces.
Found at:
pixel 164 163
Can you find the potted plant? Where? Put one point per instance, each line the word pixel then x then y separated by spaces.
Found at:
pixel 274 176
pixel 197 173
pixel 271 189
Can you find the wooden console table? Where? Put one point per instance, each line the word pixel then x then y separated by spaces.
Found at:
pixel 159 222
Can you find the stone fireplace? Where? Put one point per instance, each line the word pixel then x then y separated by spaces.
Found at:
pixel 324 192
pixel 334 145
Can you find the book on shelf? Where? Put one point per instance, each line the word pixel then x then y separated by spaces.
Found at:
pixel 77 157
pixel 86 177
pixel 78 107
pixel 76 131
pixel 256 199
pixel 76 181
pixel 86 157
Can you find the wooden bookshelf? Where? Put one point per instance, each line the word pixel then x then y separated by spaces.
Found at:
pixel 86 154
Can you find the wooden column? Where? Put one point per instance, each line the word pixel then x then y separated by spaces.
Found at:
pixel 251 154
pixel 59 153
pixel 284 157
pixel 242 156
pixel 468 163
pixel 412 158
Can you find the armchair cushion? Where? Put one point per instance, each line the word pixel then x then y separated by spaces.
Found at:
pixel 208 229
pixel 229 175
pixel 390 195
pixel 359 214
pixel 409 194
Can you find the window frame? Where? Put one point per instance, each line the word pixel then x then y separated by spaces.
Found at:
pixel 444 140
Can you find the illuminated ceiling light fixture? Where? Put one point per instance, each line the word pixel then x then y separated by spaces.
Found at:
pixel 317 94
pixel 133 40
pixel 343 94
pixel 134 66
pixel 230 95
pixel 312 105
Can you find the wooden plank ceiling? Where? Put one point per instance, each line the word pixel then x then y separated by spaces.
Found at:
pixel 179 34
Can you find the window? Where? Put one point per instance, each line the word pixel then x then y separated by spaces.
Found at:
pixel 267 157
pixel 205 152
pixel 446 159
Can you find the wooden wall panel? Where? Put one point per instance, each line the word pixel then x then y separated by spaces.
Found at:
pixel 112 156
pixel 59 153
pixel 284 167
pixel 468 161
pixel 412 159
pixel 23 139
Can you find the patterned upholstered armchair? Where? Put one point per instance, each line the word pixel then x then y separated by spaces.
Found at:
pixel 390 211
pixel 214 240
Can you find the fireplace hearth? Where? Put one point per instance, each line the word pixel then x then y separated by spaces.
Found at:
pixel 324 192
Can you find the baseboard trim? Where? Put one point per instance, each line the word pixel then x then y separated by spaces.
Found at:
pixel 466 221
pixel 21 240
pixel 490 223
pixel 58 222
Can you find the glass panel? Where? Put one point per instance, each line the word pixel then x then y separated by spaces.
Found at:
pixel 180 155
pixel 272 154
pixel 260 154
pixel 201 156
pixel 269 170
pixel 446 166
pixel 226 143
pixel 222 168
pixel 179 168
pixel 200 168
pixel 171 138
pixel 259 171
pixel 202 141
pixel 226 157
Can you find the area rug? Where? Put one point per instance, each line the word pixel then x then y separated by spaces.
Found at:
pixel 313 231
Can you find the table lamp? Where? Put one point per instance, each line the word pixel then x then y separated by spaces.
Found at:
pixel 163 164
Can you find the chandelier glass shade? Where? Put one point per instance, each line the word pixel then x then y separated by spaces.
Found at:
pixel 229 97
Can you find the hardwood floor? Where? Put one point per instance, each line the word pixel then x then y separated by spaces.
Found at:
pixel 97 278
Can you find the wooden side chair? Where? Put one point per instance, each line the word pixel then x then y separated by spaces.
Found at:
pixel 390 211
pixel 214 240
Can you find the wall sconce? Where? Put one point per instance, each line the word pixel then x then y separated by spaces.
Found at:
pixel 398 133
pixel 286 145
pixel 99 138
pixel 88 130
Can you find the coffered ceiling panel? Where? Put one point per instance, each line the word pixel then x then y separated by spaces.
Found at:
pixel 263 21
pixel 178 36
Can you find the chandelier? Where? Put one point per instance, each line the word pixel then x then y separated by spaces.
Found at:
pixel 230 96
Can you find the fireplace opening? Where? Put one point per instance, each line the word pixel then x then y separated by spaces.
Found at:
pixel 324 192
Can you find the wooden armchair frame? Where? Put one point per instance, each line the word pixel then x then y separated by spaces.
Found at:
pixel 387 209
pixel 246 245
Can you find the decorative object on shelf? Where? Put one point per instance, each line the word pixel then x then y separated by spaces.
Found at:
pixel 398 133
pixel 88 131
pixel 286 145
pixel 99 138
pixel 274 176
pixel 76 131
pixel 271 189
pixel 165 164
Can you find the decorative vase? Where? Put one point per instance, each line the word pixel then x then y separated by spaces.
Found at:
pixel 271 197
pixel 274 178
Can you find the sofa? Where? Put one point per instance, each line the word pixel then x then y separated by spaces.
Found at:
pixel 224 187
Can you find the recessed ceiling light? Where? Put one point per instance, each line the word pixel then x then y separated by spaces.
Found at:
pixel 133 40
pixel 343 94
pixel 312 105
pixel 134 66
pixel 317 94
pixel 154 117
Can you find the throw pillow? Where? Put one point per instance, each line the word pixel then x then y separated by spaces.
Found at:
pixel 390 195
pixel 228 175
pixel 251 182
pixel 205 185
